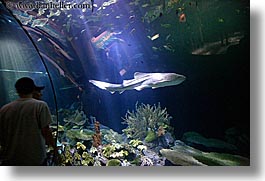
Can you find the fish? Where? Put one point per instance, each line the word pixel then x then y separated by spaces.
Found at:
pixel 39 22
pixel 217 48
pixel 132 17
pixel 122 72
pixel 154 37
pixel 92 19
pixel 182 18
pixel 137 56
pixel 168 36
pixel 141 81
pixel 155 48
pixel 133 30
pixel 169 47
pixel 167 25
pixel 108 3
pixel 145 5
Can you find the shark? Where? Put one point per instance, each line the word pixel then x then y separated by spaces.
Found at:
pixel 141 81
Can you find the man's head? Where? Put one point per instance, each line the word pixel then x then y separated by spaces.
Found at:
pixel 37 93
pixel 26 85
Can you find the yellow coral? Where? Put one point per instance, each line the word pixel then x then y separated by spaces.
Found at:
pixel 80 145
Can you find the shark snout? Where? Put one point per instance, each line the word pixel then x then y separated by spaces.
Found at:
pixel 182 78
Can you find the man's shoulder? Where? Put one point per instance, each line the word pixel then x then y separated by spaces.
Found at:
pixel 8 105
pixel 40 102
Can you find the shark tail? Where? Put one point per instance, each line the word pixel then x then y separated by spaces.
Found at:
pixel 105 85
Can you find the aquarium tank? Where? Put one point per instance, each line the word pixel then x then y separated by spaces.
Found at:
pixel 135 82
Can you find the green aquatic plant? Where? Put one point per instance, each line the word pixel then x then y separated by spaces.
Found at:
pixel 136 161
pixel 120 154
pixel 66 157
pixel 135 143
pixel 113 162
pixel 141 147
pixel 87 159
pixel 108 150
pixel 76 134
pixel 151 136
pixel 144 118
pixel 111 136
pixel 80 145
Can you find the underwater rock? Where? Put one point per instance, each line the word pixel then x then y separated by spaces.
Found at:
pixel 222 159
pixel 187 156
pixel 193 138
pixel 146 161
pixel 238 138
pixel 179 158
pixel 154 158
pixel 162 141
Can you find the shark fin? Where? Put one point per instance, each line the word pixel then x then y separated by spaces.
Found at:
pixel 140 74
pixel 126 82
pixel 139 88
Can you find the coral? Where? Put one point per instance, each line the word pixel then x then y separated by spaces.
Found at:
pixel 67 157
pixel 141 147
pixel 111 136
pixel 108 150
pixel 136 161
pixel 135 143
pixel 97 136
pixel 87 159
pixel 74 134
pixel 146 161
pixel 80 145
pixel 78 118
pixel 144 118
pixel 74 156
pixel 160 131
pixel 114 162
pixel 121 154
pixel 151 136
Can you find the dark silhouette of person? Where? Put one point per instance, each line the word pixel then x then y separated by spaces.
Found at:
pixel 24 127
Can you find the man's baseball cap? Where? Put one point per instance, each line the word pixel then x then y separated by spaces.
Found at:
pixel 26 85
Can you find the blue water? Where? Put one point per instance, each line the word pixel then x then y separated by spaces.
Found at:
pixel 215 94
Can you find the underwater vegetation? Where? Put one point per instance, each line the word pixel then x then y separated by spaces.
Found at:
pixel 146 141
pixel 145 121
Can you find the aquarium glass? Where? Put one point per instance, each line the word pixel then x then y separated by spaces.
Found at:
pixel 135 82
